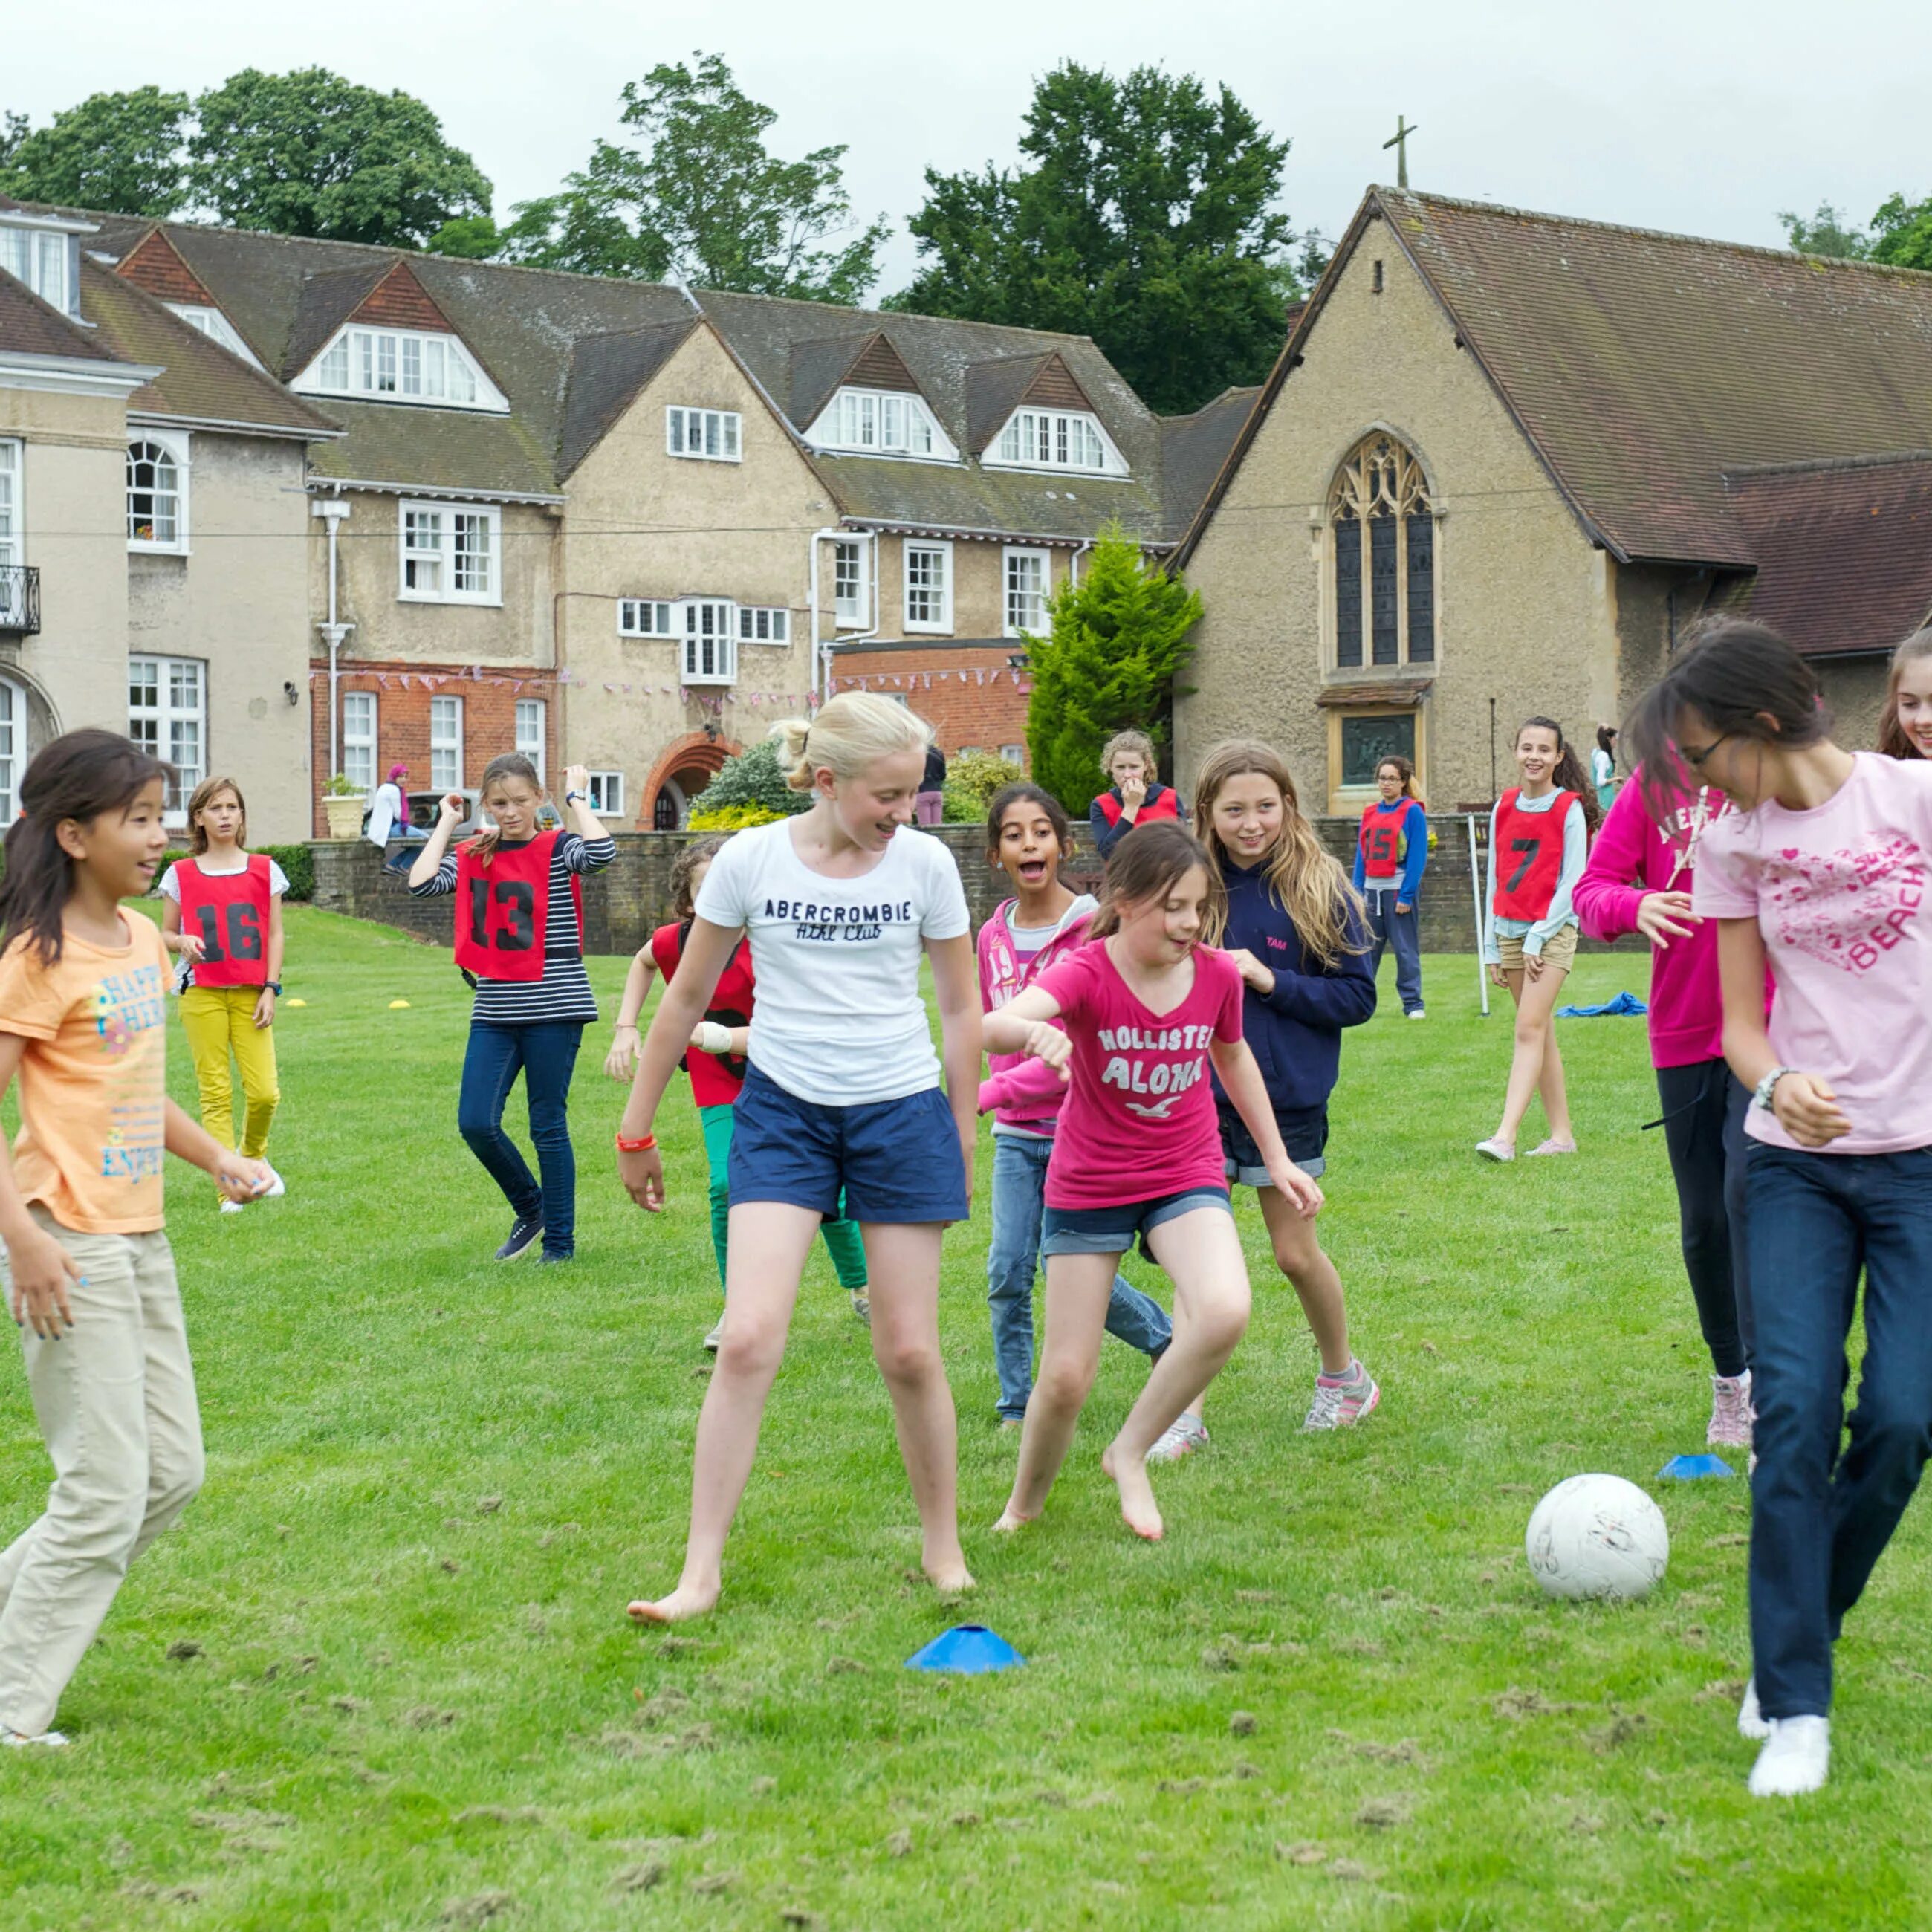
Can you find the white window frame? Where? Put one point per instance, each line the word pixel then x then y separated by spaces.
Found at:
pixel 1013 554
pixel 39 257
pixel 942 548
pixel 718 434
pixel 216 326
pixel 763 624
pixel 163 727
pixel 851 611
pixel 12 747
pixel 721 615
pixel 1018 445
pixel 446 743
pixel 882 422
pixel 365 362
pixel 606 794
pixel 174 444
pixel 648 617
pixel 361 721
pixel 532 713
pixel 450 522
pixel 13 509
pixel 1014 755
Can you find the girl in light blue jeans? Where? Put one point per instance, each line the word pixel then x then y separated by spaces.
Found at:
pixel 1029 837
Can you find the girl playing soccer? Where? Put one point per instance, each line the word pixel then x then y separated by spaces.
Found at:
pixel 1905 724
pixel 1296 933
pixel 1391 849
pixel 1147 1009
pixel 520 937
pixel 1138 796
pixel 223 917
pixel 1822 869
pixel 1539 839
pixel 89 1277
pixel 1029 839
pixel 716 1064
pixel 842 1092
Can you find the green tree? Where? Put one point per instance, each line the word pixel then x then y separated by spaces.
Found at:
pixel 1902 233
pixel 1143 214
pixel 753 778
pixel 1825 233
pixel 1119 638
pixel 309 153
pixel 473 237
pixel 704 199
pixel 120 153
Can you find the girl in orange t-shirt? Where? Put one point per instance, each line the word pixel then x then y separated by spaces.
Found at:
pixel 88 1274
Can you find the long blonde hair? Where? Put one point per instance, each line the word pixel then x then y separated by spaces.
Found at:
pixel 847 732
pixel 1307 883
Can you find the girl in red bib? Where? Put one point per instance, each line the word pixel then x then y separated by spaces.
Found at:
pixel 1539 839
pixel 520 938
pixel 223 918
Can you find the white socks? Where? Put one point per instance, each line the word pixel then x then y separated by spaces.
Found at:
pixel 1795 1758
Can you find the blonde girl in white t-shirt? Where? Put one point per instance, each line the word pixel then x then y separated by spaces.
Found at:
pixel 843 1091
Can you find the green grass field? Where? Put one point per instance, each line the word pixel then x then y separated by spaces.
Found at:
pixel 380 1676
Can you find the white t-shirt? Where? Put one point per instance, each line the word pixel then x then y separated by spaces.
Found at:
pixel 839 1020
pixel 278 879
pixel 387 814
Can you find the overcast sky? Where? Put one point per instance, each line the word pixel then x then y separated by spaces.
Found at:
pixel 1701 115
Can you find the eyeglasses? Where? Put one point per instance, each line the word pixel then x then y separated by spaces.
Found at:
pixel 1695 759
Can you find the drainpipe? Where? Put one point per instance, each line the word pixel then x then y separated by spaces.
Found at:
pixel 332 510
pixel 1073 563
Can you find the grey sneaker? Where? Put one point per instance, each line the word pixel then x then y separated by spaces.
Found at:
pixel 1340 1401
pixel 1184 1435
pixel 717 1335
pixel 862 1307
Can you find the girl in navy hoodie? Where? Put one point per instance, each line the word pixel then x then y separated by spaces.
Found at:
pixel 1298 931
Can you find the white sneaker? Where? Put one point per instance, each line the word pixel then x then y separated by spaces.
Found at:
pixel 276 1188
pixel 1796 1758
pixel 231 1207
pixel 1752 1723
pixel 1493 1149
pixel 19 1741
pixel 1185 1434
pixel 717 1335
pixel 1418 1015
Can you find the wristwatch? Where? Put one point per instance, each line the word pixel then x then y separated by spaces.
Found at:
pixel 273 986
pixel 1767 1086
pixel 571 797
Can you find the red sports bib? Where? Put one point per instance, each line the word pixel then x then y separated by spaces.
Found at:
pixel 228 913
pixel 1381 840
pixel 1164 804
pixel 716 1077
pixel 1529 855
pixel 503 909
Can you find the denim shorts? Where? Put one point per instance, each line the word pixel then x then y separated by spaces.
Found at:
pixel 898 1161
pixel 1304 1133
pixel 1114 1231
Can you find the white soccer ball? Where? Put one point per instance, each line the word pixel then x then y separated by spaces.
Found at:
pixel 1597 1536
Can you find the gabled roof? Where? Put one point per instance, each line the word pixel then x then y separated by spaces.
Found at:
pixel 1194 448
pixel 1641 367
pixel 994 389
pixel 1844 551
pixel 29 326
pixel 864 358
pixel 606 374
pixel 156 266
pixel 400 300
pixel 324 303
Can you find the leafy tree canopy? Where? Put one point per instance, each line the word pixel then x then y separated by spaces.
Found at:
pixel 1143 214
pixel 120 153
pixel 704 198
pixel 1900 233
pixel 309 153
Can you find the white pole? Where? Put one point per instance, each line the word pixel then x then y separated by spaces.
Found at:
pixel 1476 899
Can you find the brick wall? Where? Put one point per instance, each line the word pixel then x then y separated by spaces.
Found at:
pixel 622 905
pixel 967 693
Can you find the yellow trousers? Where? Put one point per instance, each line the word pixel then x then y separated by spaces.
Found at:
pixel 220 1020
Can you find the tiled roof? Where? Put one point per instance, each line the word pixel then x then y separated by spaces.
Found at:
pixel 606 373
pixel 1194 448
pixel 1642 367
pixel 942 497
pixel 200 379
pixel 448 450
pixel 1844 551
pixel 818 368
pixel 29 326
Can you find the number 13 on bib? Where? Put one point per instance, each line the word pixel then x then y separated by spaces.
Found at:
pixel 503 908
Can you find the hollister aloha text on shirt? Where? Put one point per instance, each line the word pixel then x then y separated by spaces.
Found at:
pixel 821 924
pixel 1128 1069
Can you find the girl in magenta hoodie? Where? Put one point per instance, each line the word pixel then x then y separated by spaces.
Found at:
pixel 1029 838
pixel 1638 880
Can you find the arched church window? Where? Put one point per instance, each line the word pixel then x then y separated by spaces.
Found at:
pixel 1382 525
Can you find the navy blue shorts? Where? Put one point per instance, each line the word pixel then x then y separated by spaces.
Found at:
pixel 1114 1231
pixel 897 1160
pixel 1304 1134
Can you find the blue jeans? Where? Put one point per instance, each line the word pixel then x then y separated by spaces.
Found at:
pixel 1403 930
pixel 1012 1256
pixel 546 1055
pixel 1820 1519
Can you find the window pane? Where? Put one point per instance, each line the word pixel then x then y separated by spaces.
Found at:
pixel 1365 742
pixel 674 431
pixel 335 366
pixel 411 366
pixel 1384 589
pixel 1347 591
pixel 1421 588
pixel 731 435
pixel 462 377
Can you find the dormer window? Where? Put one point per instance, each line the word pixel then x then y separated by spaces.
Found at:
pixel 1054 439
pixel 877 419
pixel 216 326
pixel 392 365
pixel 39 258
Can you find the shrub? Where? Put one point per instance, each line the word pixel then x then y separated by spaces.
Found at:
pixel 731 817
pixel 299 862
pixel 753 778
pixel 971 779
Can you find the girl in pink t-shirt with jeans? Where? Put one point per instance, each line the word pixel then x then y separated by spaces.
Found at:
pixel 1825 871
pixel 1146 1007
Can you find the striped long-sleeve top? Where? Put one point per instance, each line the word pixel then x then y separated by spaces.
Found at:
pixel 563 994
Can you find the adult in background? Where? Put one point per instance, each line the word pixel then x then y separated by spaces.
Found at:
pixel 929 801
pixel 1603 765
pixel 388 818
pixel 1391 849
pixel 1138 796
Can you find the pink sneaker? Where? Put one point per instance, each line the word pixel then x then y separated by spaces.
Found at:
pixel 1342 1400
pixel 1731 1412
pixel 1552 1145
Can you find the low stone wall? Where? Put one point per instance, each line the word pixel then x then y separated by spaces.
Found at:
pixel 622 905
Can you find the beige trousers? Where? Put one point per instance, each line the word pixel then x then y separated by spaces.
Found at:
pixel 115 1397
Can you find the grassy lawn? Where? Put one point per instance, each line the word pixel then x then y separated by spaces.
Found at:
pixel 380 1676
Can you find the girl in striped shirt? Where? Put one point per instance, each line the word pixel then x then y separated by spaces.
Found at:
pixel 520 941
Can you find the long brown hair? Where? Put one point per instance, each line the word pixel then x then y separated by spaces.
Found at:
pixel 1324 909
pixel 1402 766
pixel 506 765
pixel 1893 739
pixel 1569 775
pixel 204 795
pixel 1147 864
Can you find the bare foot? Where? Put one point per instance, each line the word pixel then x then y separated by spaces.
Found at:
pixel 1011 1519
pixel 683 1603
pixel 949 1575
pixel 1137 1503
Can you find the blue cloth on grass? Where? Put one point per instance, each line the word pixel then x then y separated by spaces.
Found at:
pixel 1623 1003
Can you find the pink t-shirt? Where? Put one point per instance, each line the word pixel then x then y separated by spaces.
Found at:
pixel 1840 894
pixel 1139 1120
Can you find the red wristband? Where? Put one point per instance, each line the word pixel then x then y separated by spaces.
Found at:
pixel 638 1146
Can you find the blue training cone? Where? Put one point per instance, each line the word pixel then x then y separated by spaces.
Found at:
pixel 968 1648
pixel 1688 1468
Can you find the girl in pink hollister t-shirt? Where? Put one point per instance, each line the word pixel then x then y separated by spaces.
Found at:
pixel 1824 870
pixel 1148 1008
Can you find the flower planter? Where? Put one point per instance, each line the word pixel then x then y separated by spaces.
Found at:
pixel 344 816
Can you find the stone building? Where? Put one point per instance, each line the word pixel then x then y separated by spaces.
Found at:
pixel 1506 460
